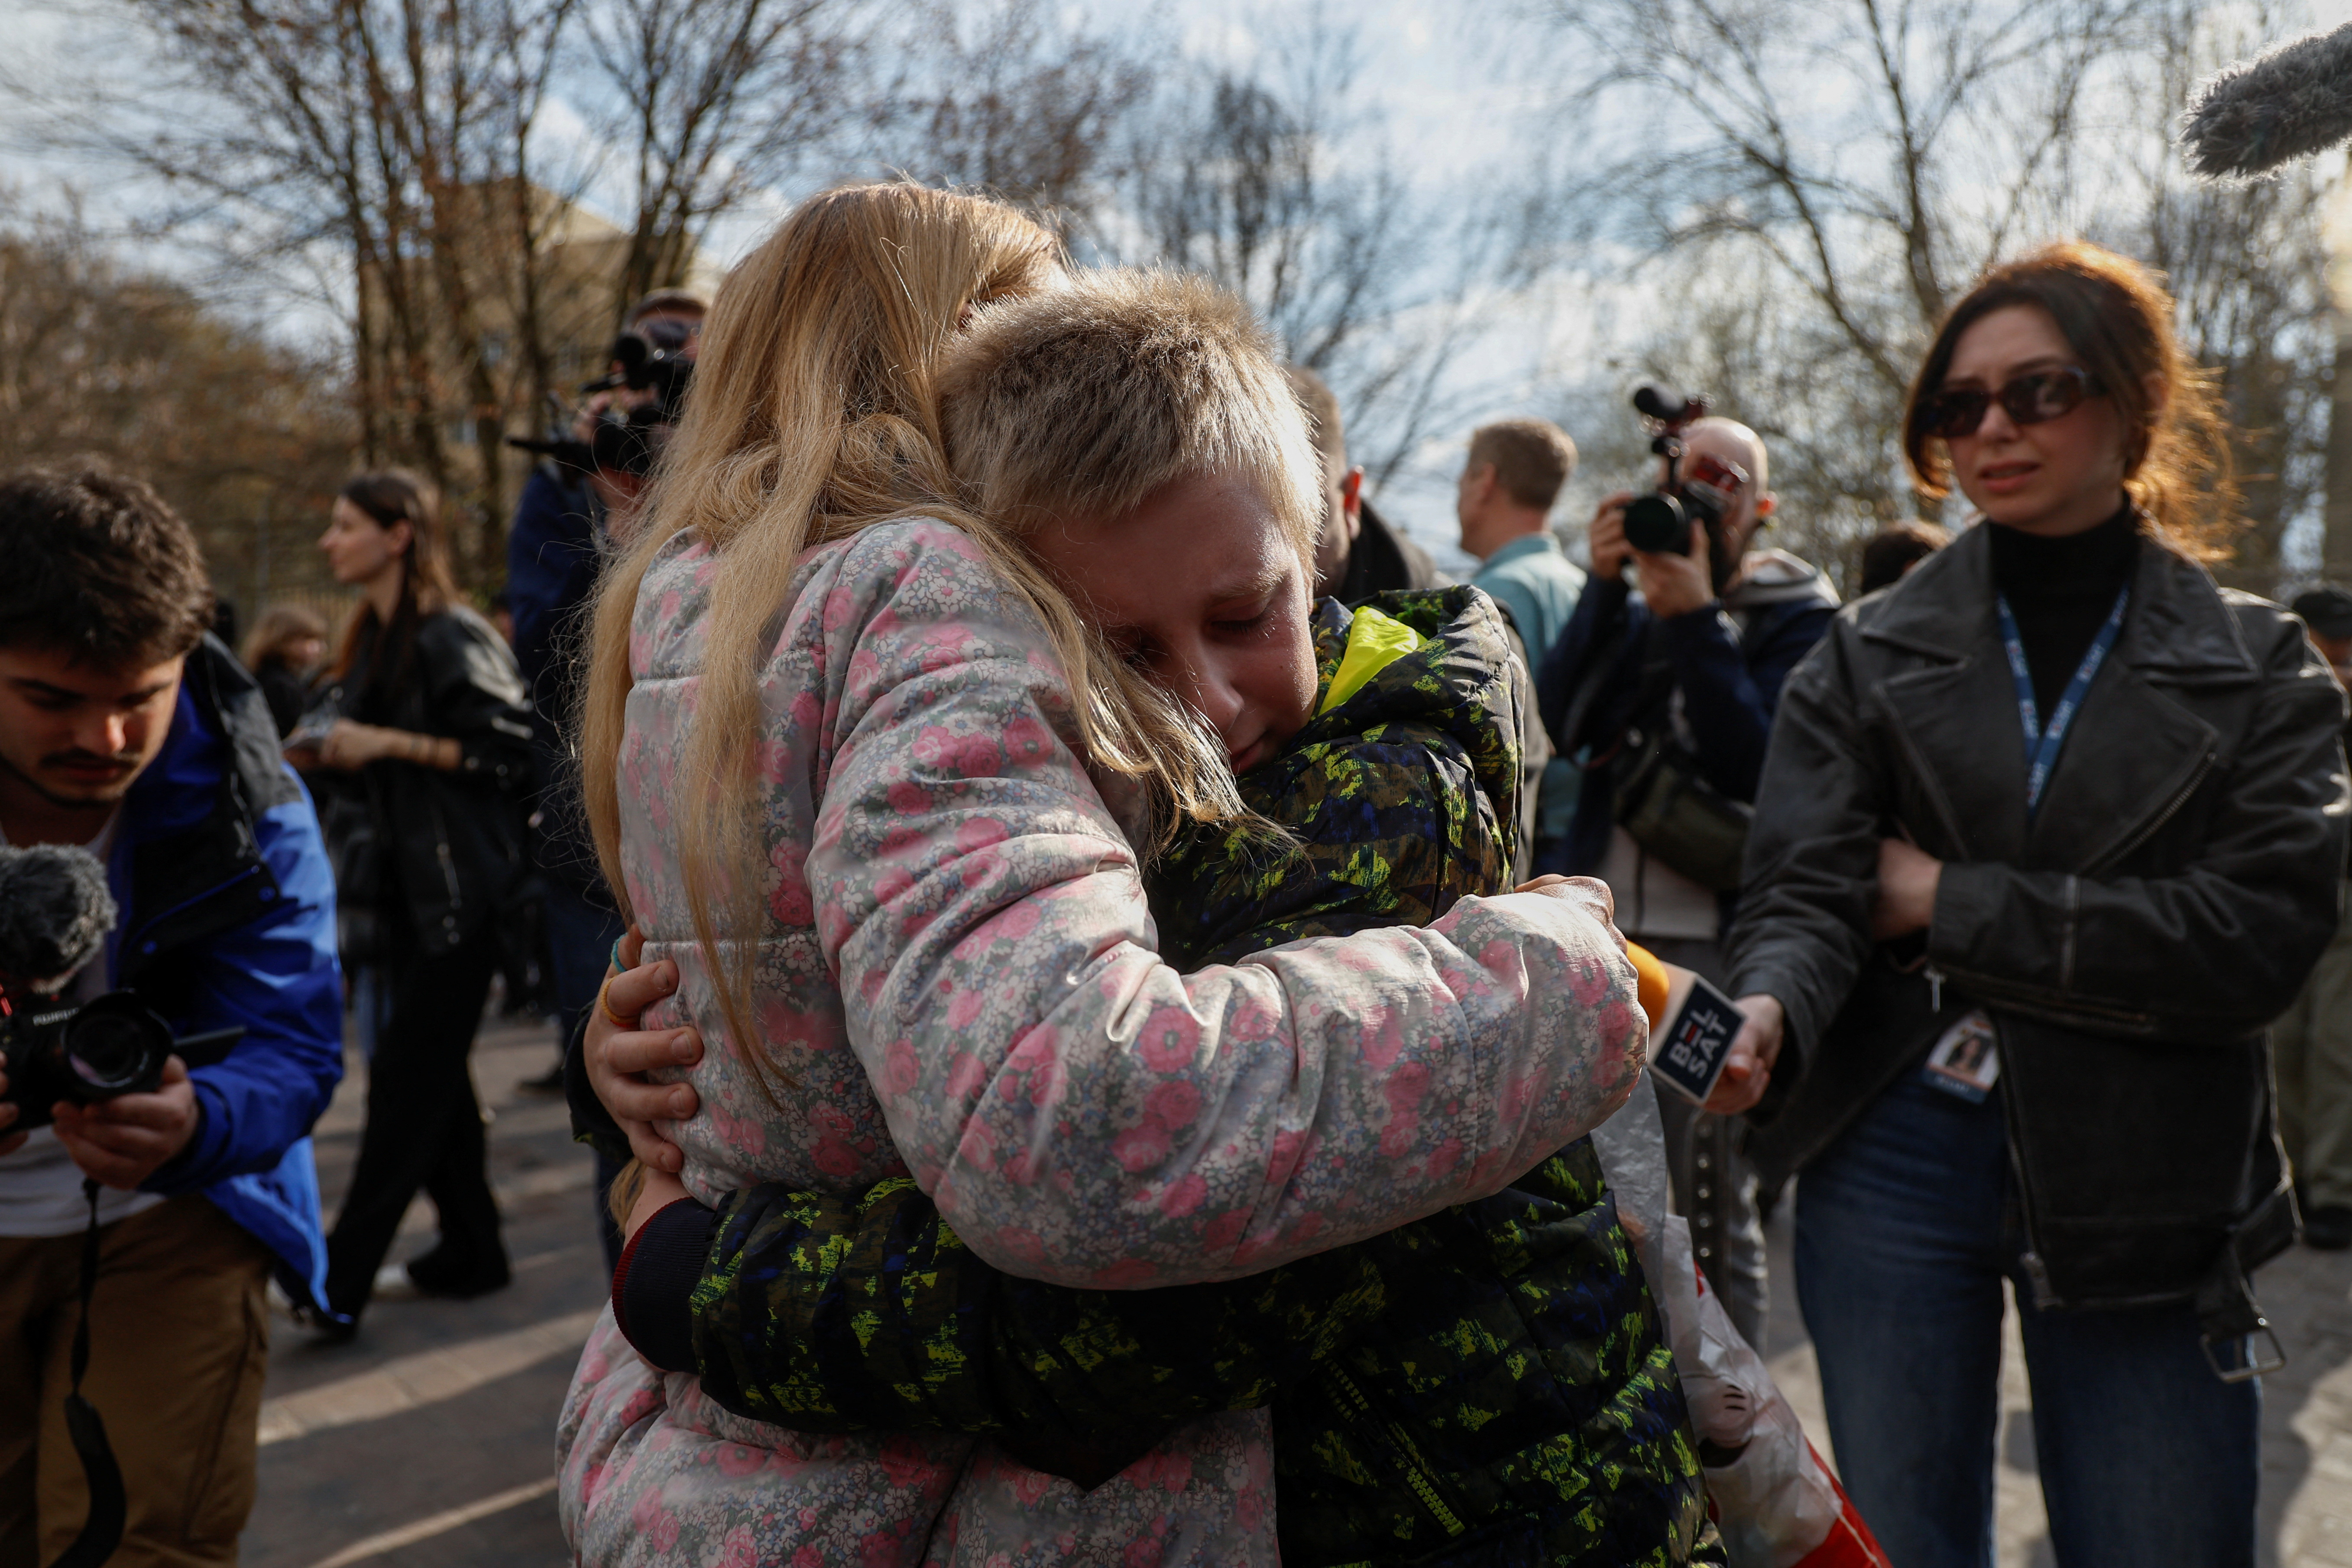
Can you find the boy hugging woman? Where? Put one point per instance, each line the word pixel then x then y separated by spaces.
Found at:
pixel 1021 1274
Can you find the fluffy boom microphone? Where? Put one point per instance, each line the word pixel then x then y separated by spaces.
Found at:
pixel 54 912
pixel 2283 104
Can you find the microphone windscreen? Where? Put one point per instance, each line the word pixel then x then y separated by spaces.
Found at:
pixel 2286 104
pixel 54 910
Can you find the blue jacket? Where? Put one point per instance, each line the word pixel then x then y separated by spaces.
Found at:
pixel 553 555
pixel 1729 678
pixel 228 918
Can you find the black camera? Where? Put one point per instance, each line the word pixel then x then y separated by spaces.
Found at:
pixel 57 1051
pixel 628 440
pixel 1704 492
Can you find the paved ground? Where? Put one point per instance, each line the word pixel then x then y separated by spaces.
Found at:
pixel 427 1440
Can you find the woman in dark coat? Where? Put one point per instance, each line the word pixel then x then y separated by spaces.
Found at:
pixel 2048 832
pixel 429 712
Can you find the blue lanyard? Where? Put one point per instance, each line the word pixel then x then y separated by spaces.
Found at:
pixel 2042 744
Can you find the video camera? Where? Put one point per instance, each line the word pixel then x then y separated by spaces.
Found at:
pixel 1707 492
pixel 627 440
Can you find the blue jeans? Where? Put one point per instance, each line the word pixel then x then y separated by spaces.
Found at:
pixel 1905 1229
pixel 580 937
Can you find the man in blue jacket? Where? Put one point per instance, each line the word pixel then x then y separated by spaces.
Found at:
pixel 127 729
pixel 1677 687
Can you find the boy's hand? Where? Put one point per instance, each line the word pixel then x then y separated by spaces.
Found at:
pixel 1591 893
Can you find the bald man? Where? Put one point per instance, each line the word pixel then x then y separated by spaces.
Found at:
pixel 1697 658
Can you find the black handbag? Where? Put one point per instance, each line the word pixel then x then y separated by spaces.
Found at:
pixel 1666 805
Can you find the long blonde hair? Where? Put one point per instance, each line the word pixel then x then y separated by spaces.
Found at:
pixel 813 415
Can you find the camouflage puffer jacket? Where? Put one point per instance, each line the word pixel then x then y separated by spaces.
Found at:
pixel 1489 1385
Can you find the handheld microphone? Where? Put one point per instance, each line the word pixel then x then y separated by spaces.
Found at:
pixel 55 909
pixel 2288 102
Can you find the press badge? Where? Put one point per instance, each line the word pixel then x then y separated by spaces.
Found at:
pixel 1966 1060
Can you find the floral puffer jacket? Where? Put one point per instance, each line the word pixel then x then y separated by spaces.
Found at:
pixel 957 984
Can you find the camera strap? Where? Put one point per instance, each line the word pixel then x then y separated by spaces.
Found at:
pixel 101 1530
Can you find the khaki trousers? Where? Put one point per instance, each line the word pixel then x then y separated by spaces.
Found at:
pixel 2312 1044
pixel 179 1342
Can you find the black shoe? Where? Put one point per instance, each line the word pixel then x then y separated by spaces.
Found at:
pixel 2327 1230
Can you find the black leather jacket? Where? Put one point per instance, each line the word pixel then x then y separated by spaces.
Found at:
pixel 450 841
pixel 2131 943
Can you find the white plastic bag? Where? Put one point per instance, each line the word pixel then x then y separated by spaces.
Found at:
pixel 1775 1503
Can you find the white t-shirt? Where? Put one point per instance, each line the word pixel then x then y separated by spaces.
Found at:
pixel 40 1186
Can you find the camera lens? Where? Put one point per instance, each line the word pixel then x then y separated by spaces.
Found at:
pixel 113 1051
pixel 1657 525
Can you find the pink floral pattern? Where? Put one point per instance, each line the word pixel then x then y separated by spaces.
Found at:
pixel 956 979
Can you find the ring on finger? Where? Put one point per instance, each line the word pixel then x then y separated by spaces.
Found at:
pixel 605 1006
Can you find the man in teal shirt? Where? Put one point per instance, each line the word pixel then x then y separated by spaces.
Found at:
pixel 1504 502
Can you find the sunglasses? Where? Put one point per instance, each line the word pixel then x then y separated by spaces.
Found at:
pixel 2033 398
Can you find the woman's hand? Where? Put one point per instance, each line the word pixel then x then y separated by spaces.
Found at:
pixel 1907 880
pixel 351 745
pixel 618 1054
pixel 1589 893
pixel 656 1193
pixel 1748 1067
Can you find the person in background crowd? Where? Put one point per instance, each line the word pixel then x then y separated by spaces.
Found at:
pixel 124 729
pixel 1503 503
pixel 502 616
pixel 283 653
pixel 1358 553
pixel 2313 1040
pixel 1888 555
pixel 562 525
pixel 431 714
pixel 2050 832
pixel 224 620
pixel 1673 693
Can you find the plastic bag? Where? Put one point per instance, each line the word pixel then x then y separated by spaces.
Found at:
pixel 1773 1499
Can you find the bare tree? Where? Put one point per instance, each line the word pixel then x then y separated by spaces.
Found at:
pixel 102 360
pixel 712 102
pixel 1016 100
pixel 398 135
pixel 1826 175
pixel 1266 180
pixel 2249 265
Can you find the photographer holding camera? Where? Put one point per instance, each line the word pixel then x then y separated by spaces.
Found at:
pixel 580 496
pixel 1670 694
pixel 126 729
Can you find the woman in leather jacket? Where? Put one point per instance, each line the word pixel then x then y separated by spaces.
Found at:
pixel 429 712
pixel 2048 831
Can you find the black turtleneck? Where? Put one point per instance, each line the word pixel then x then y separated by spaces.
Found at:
pixel 2061 590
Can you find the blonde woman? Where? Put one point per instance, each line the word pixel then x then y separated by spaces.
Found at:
pixel 846 755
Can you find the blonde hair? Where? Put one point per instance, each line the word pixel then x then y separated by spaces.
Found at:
pixel 814 415
pixel 1532 458
pixel 1079 404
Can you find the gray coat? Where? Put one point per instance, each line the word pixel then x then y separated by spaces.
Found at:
pixel 2131 943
